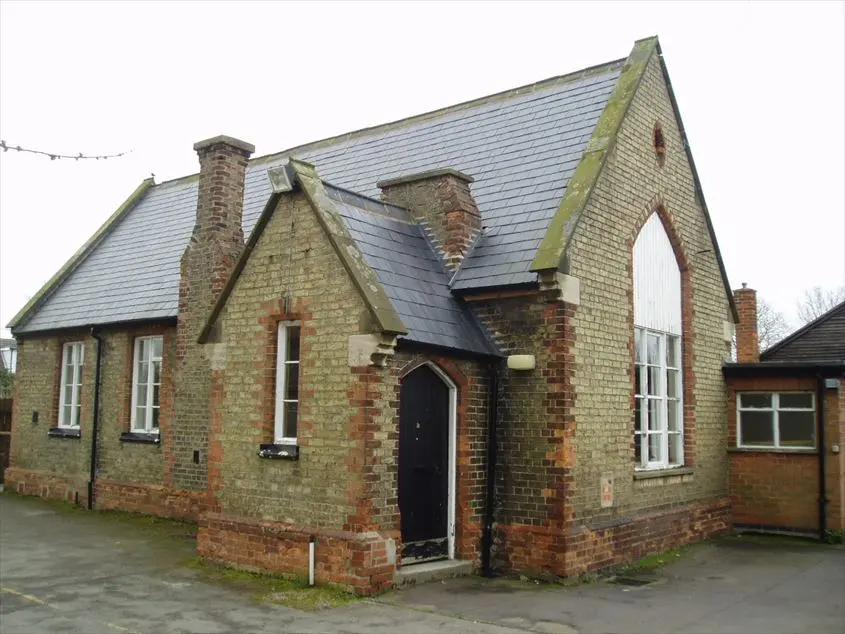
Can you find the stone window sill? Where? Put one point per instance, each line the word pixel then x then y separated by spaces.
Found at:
pixel 145 439
pixel 662 473
pixel 800 450
pixel 278 452
pixel 63 432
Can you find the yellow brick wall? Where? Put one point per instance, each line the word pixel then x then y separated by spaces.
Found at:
pixel 318 489
pixel 600 255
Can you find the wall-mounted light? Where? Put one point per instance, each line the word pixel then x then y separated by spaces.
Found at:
pixel 521 362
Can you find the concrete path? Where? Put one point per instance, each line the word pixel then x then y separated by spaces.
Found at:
pixel 73 571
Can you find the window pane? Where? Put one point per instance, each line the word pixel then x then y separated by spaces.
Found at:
pixel 141 395
pixel 292 381
pixel 75 421
pixel 156 371
pixel 755 400
pixel 675 450
pixel 638 421
pixel 77 389
pixel 653 352
pixel 143 372
pixel 66 415
pixel 654 450
pixel 654 387
pixel 757 428
pixel 672 346
pixel 673 388
pixel 674 415
pixel 638 448
pixel 638 348
pixel 155 344
pixel 143 349
pixel 638 374
pixel 804 401
pixel 68 394
pixel 290 420
pixel 156 389
pixel 654 422
pixel 292 343
pixel 140 418
pixel 155 417
pixel 797 429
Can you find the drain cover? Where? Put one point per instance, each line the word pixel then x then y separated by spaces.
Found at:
pixel 632 581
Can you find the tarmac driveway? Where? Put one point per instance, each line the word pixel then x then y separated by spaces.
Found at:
pixel 73 571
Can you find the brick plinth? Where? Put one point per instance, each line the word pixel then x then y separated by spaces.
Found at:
pixel 151 500
pixel 363 563
pixel 47 485
pixel 547 552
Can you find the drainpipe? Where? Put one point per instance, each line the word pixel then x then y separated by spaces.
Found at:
pixel 821 442
pixel 96 417
pixel 490 501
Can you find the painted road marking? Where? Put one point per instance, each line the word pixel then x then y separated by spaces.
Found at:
pixel 34 599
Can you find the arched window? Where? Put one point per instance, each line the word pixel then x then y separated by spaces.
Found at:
pixel 658 416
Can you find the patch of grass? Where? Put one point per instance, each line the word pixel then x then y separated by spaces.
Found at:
pixel 288 590
pixel 650 563
pixel 834 537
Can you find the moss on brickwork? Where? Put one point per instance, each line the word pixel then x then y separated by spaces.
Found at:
pixel 628 190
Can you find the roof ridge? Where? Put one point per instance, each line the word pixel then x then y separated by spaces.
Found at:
pixel 818 321
pixel 431 114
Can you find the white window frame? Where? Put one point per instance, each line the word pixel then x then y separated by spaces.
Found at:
pixel 76 350
pixel 662 397
pixel 775 409
pixel 282 361
pixel 146 426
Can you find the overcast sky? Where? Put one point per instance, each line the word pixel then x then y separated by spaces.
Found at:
pixel 761 88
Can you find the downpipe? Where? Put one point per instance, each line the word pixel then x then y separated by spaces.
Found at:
pixel 492 446
pixel 96 418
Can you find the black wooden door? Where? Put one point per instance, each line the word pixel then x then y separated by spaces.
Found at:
pixel 424 465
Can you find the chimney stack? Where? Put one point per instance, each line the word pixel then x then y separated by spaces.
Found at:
pixel 441 201
pixel 747 340
pixel 209 258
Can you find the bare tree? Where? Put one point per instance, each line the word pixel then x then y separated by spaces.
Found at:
pixel 817 301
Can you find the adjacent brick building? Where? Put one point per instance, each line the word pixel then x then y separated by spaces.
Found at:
pixel 786 426
pixel 492 334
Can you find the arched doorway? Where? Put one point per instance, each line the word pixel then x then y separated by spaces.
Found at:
pixel 427 406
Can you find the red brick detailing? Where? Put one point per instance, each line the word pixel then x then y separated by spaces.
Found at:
pixel 443 204
pixel 46 485
pixel 544 551
pixel 688 331
pixel 747 340
pixel 470 379
pixel 363 563
pixel 151 499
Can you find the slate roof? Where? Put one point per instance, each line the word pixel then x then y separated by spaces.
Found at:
pixel 820 341
pixel 412 275
pixel 521 147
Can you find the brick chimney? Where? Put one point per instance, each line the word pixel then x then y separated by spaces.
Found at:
pixel 747 341
pixel 215 246
pixel 441 201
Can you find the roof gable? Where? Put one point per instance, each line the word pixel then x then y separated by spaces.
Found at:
pixel 822 340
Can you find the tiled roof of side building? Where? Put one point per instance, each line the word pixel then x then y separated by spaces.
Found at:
pixel 411 273
pixel 521 147
pixel 820 341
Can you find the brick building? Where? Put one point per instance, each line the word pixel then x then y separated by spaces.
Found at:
pixel 491 334
pixel 786 426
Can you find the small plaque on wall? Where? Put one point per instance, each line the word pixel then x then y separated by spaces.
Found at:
pixel 606 486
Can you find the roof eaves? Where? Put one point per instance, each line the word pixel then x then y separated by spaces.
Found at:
pixel 551 252
pixel 818 321
pixel 77 258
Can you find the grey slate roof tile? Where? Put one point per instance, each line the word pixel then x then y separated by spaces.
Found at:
pixel 521 148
